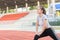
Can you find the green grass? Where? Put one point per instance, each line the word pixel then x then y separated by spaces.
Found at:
pixel 55 23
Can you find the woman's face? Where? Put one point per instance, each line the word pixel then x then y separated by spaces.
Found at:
pixel 40 11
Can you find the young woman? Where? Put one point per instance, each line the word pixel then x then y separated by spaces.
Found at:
pixel 43 23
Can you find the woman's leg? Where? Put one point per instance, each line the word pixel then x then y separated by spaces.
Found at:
pixel 45 33
pixel 36 37
pixel 52 34
pixel 49 32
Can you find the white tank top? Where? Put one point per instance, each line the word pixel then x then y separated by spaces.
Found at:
pixel 41 19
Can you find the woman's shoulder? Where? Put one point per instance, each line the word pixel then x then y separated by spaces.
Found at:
pixel 45 16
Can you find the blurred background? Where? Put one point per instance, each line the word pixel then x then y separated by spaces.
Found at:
pixel 22 14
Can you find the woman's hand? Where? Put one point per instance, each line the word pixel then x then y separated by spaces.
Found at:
pixel 38 33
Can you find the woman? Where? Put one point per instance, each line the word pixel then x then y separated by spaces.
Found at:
pixel 43 22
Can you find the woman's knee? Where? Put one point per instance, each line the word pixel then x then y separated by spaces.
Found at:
pixel 36 37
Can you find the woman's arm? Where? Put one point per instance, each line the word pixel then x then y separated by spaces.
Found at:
pixel 37 24
pixel 44 25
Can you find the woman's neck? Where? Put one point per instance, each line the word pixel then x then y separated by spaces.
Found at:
pixel 41 15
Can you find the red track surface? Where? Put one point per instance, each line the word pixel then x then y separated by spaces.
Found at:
pixel 19 35
pixel 13 16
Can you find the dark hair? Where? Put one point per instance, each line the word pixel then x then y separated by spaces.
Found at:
pixel 42 8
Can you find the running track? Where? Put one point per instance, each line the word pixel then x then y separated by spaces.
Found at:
pixel 15 16
pixel 19 35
